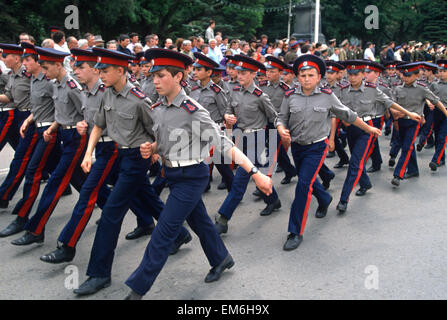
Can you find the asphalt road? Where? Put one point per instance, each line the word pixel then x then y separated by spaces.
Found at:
pixel 390 244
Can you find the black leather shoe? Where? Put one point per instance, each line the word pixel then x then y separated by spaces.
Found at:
pixel 221 228
pixel 216 271
pixel 92 285
pixel 179 242
pixel 411 175
pixel 14 227
pixel 330 154
pixel 395 181
pixel 387 131
pixel 279 169
pixel 4 204
pixel 287 179
pixel 419 147
pixel 208 187
pixel 327 183
pixel 28 238
pixel 293 242
pixel 271 207
pixel 429 145
pixel 433 166
pixel 61 254
pixel 67 191
pixel 340 164
pixel 257 193
pixel 322 211
pixel 133 296
pixel 139 232
pixel 342 206
pixel 362 191
pixel 392 162
pixel 442 163
pixel 44 177
pixel 222 186
pixel 372 169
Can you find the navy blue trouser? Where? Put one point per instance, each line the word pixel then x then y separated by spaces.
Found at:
pixel 240 183
pixel 282 156
pixel 408 131
pixel 339 148
pixel 9 129
pixel 94 190
pixel 19 163
pixel 184 203
pixel 68 170
pixel 359 143
pixel 440 129
pixel 426 135
pixel 132 183
pixel 395 141
pixel 308 161
pixel 46 156
pixel 374 153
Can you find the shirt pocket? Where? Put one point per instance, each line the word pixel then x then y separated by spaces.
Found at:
pixel 319 114
pixel 126 120
pixel 401 97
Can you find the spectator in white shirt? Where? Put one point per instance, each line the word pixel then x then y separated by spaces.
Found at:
pixel 59 41
pixel 335 56
pixel 368 54
pixel 214 52
pixel 133 40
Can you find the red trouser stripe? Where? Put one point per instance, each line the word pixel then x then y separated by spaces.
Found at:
pixel 23 166
pixel 441 153
pixel 92 200
pixel 37 176
pixel 311 188
pixel 407 158
pixel 429 134
pixel 373 144
pixel 63 185
pixel 7 125
pixel 363 161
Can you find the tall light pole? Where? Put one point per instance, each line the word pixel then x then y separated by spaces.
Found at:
pixel 290 18
pixel 317 20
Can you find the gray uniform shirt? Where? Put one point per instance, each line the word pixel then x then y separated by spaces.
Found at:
pixel 309 117
pixel 363 100
pixel 148 88
pixel 126 115
pixel 275 91
pixel 184 129
pixel 252 108
pixel 41 99
pixel 91 100
pixel 17 89
pixel 413 97
pixel 380 107
pixel 212 98
pixel 68 101
pixel 440 90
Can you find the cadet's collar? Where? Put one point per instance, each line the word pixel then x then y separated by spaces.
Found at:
pixel 275 84
pixel 178 100
pixel 19 72
pixel 95 87
pixel 207 86
pixel 411 85
pixel 251 88
pixel 40 77
pixel 63 81
pixel 361 88
pixel 299 90
pixel 125 89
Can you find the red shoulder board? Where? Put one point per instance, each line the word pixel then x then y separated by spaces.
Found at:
pixel 257 92
pixel 263 83
pixel 421 84
pixel 26 74
pixel 237 88
pixel 326 90
pixel 284 86
pixel 155 105
pixel 370 85
pixel 345 85
pixel 10 72
pixel 383 84
pixel 183 83
pixel 102 87
pixel 216 88
pixel 189 106
pixel 138 93
pixel 226 79
pixel 72 84
pixel 288 93
pixel 195 88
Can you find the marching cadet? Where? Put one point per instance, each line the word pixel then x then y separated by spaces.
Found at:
pixel 275 90
pixel 67 104
pixel 304 123
pixel 45 154
pixel 231 80
pixel 124 112
pixel 412 94
pixel 288 76
pixel 440 121
pixel 219 80
pixel 187 176
pixel 251 109
pixel 361 97
pixel 212 98
pixel 334 71
pixel 147 86
pixel 426 136
pixel 16 96
pixel 135 67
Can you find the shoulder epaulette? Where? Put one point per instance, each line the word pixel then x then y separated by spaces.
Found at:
pixel 421 84
pixel 10 72
pixel 370 85
pixel 237 88
pixel 284 86
pixel 183 83
pixel 344 85
pixel 257 92
pixel 102 87
pixel 263 83
pixel 72 84
pixel 189 106
pixel 289 92
pixel 195 88
pixel 326 90
pixel 138 93
pixel 155 105
pixel 216 88
pixel 26 74
pixel 226 79
pixel 383 84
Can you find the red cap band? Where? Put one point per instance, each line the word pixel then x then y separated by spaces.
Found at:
pixel 275 65
pixel 411 69
pixel 12 51
pixel 333 68
pixel 354 67
pixel 113 61
pixel 307 64
pixel 204 63
pixel 373 69
pixel 29 51
pixel 248 66
pixel 50 58
pixel 168 62
pixel 85 58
